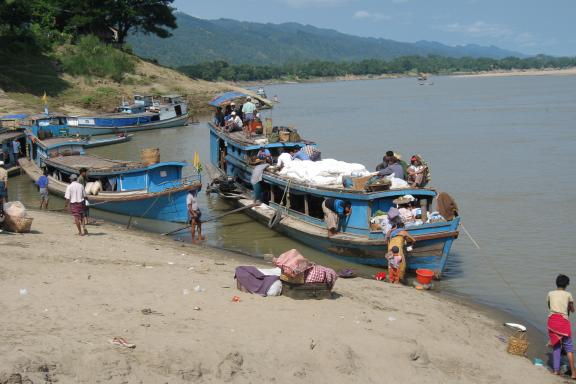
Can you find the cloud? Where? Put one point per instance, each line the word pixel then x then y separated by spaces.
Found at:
pixel 374 16
pixel 315 3
pixel 481 29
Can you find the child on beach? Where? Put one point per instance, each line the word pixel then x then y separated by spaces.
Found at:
pixel 561 303
pixel 394 260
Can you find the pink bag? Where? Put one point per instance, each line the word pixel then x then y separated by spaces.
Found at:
pixel 292 263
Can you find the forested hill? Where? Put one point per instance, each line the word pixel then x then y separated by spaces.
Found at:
pixel 196 40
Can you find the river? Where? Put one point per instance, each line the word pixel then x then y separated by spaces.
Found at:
pixel 501 146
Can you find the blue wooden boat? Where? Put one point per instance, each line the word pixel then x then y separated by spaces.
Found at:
pixel 171 111
pixel 155 191
pixel 302 217
pixel 6 149
pixel 51 126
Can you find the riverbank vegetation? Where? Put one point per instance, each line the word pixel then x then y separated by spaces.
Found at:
pixel 41 40
pixel 73 51
pixel 221 70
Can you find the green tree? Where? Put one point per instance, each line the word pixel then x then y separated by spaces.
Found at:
pixel 14 14
pixel 111 20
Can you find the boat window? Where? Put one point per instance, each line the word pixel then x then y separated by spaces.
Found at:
pixel 297 202
pixel 315 206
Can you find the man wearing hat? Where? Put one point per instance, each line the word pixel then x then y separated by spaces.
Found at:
pixel 234 123
pixel 75 197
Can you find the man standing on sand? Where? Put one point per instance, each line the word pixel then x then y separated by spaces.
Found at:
pixel 3 187
pixel 42 184
pixel 82 180
pixel 561 304
pixel 195 214
pixel 75 197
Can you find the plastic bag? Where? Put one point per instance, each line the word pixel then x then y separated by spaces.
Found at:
pixel 15 209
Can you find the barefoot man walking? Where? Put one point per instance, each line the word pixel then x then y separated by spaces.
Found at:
pixel 75 200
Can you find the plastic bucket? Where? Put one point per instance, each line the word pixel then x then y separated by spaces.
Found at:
pixel 424 276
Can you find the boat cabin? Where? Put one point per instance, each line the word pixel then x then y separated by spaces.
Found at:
pixel 140 104
pixel 46 126
pixel 118 176
pixel 6 146
pixel 170 106
pixel 11 121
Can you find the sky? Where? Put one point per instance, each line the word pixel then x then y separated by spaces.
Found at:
pixel 526 26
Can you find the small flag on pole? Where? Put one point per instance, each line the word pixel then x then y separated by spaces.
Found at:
pixel 45 102
pixel 197 164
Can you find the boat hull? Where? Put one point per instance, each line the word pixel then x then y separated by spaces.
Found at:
pixel 433 243
pixel 94 130
pixel 93 143
pixel 169 205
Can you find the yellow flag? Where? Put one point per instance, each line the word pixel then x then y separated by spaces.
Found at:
pixel 45 98
pixel 197 164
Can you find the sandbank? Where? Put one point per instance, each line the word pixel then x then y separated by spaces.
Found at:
pixel 63 297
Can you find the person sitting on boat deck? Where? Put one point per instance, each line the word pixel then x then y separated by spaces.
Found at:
pixel 417 172
pixel 395 260
pixel 264 154
pixel 228 111
pixel 385 159
pixel 248 110
pixel 334 210
pixel 286 157
pixel 234 124
pixel 301 154
pixel 75 196
pixel 195 214
pixel 398 237
pixel 394 168
pixel 3 187
pixel 42 184
pixel 219 117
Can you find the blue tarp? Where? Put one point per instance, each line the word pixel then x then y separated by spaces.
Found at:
pixel 13 117
pixel 226 97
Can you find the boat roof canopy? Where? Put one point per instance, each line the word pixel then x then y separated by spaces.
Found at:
pixel 17 116
pixel 228 97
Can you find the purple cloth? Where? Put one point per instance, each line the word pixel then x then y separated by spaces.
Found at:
pixel 566 342
pixel 253 280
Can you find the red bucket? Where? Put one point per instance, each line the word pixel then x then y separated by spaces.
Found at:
pixel 424 276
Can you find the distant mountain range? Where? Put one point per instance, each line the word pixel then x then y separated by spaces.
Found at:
pixel 197 40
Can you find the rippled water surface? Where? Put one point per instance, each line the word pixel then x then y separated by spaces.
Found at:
pixel 504 147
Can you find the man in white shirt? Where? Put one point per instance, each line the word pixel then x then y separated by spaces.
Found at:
pixel 16 149
pixel 285 158
pixel 75 196
pixel 248 110
pixel 3 187
pixel 195 214
pixel 234 123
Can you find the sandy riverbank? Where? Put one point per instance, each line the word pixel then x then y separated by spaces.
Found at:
pixel 527 72
pixel 80 292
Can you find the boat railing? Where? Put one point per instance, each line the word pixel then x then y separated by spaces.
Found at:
pixel 176 184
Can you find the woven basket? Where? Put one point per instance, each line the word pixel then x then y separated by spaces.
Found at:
pixel 18 224
pixel 518 344
pixel 150 156
pixel 298 279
